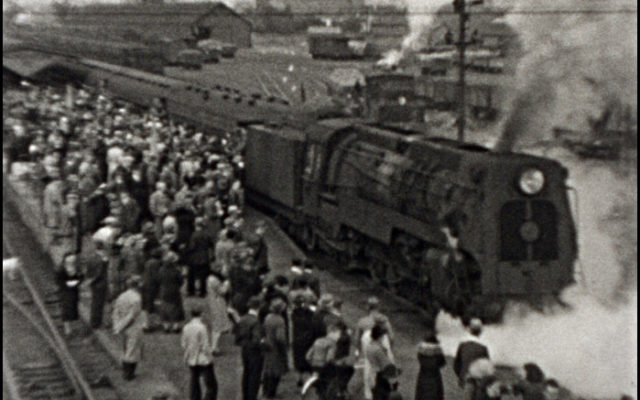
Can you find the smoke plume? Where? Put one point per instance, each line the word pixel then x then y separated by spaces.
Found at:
pixel 420 15
pixel 573 65
pixel 591 346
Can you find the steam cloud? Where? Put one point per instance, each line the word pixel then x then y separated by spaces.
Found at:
pixel 420 18
pixel 591 347
pixel 573 65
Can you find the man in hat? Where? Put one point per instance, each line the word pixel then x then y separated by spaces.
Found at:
pixel 223 250
pixel 129 321
pixel 377 358
pixel 96 266
pixel 53 199
pixel 260 249
pixel 275 350
pixel 198 356
pixel 159 206
pixel 198 258
pixel 319 320
pixel 364 339
pixel 469 350
pixel 69 231
pixel 248 332
pixel 311 277
pixel 368 321
pixel 130 212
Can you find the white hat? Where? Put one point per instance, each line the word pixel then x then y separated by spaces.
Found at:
pixel 104 235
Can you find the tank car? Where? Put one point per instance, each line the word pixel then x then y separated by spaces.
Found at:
pixel 444 223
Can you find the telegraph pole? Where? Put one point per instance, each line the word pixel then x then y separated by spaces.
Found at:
pixel 459 8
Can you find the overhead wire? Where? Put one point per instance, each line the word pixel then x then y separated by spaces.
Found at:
pixel 373 12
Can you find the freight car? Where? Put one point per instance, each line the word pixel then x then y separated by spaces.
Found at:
pixel 442 92
pixel 444 223
pixel 337 46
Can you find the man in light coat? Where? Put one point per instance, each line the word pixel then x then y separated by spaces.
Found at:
pixel 129 321
pixel 198 356
pixel 363 340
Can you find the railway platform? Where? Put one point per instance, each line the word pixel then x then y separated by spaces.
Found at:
pixel 162 373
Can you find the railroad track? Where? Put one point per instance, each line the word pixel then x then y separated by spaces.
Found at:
pixel 38 362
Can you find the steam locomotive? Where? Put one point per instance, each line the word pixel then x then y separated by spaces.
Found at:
pixel 443 223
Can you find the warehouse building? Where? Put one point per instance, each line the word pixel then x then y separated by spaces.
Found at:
pixel 159 20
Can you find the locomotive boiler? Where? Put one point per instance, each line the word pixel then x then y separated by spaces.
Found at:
pixel 443 223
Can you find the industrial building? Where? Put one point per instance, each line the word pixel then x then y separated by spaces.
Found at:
pixel 161 21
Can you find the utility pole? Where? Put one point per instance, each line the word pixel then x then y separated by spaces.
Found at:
pixel 459 6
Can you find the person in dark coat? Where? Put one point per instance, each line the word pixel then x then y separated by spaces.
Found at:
pixel 172 311
pixel 140 191
pixel 275 349
pixel 150 278
pixel 302 335
pixel 130 216
pixel 260 249
pixel 319 320
pixel 198 262
pixel 245 283
pixel 533 386
pixel 429 385
pixel 97 209
pixel 248 332
pixel 96 266
pixel 68 279
pixel 469 350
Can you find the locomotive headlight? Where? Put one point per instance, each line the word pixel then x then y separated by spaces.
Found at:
pixel 402 100
pixel 531 181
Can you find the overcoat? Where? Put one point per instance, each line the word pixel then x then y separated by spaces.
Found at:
pixel 217 306
pixel 69 289
pixel 171 309
pixel 129 321
pixel 275 348
pixel 53 199
pixel 429 383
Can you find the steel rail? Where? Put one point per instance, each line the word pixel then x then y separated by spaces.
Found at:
pixel 56 341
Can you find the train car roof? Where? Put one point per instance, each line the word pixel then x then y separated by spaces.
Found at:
pixel 135 73
pixel 284 131
pixel 29 64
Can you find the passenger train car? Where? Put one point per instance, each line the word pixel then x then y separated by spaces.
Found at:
pixel 444 223
pixel 134 55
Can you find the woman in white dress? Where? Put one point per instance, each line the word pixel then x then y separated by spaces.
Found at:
pixel 219 321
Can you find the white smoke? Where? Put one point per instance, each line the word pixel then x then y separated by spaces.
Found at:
pixel 420 15
pixel 591 347
pixel 573 64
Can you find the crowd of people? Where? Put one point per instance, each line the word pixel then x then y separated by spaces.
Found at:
pixel 163 203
